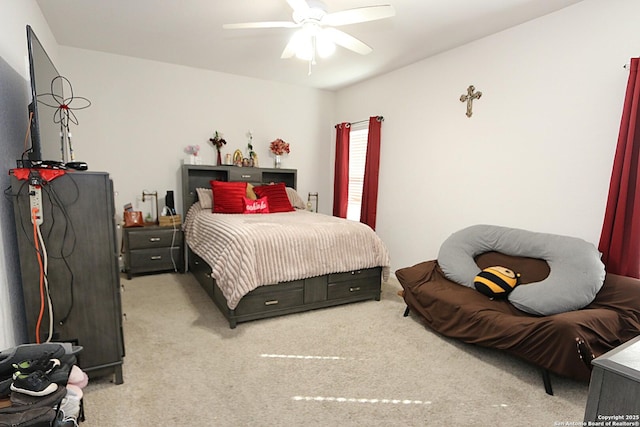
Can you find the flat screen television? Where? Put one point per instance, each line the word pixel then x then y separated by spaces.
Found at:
pixel 47 140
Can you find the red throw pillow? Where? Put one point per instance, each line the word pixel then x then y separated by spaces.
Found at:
pixel 276 195
pixel 260 205
pixel 228 196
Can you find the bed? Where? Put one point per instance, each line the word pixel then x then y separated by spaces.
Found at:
pixel 255 266
pixel 562 343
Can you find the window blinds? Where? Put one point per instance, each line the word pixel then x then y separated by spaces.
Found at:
pixel 357 157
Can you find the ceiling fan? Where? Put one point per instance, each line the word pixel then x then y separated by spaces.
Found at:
pixel 316 28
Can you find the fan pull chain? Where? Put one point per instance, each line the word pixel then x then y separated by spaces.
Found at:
pixel 312 60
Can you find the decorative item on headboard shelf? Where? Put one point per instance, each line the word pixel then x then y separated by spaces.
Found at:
pixel 253 157
pixel 278 147
pixel 312 200
pixel 218 141
pixel 192 151
pixel 237 158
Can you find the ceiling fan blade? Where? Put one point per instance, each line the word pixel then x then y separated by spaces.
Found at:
pixel 266 24
pixel 348 42
pixel 298 5
pixel 357 15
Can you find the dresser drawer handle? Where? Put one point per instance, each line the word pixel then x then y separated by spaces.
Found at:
pixel 356 289
pixel 246 176
pixel 156 257
pixel 154 239
pixel 356 272
pixel 272 302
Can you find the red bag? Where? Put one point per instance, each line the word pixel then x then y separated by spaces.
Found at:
pixel 133 219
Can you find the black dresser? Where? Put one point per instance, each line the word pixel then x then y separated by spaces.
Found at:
pixel 83 281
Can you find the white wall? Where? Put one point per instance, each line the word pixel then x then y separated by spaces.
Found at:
pixel 537 152
pixel 144 114
pixel 14 97
pixel 14 17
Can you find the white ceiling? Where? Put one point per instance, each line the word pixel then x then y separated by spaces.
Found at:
pixel 189 32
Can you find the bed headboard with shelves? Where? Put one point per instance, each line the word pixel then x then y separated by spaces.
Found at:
pixel 194 176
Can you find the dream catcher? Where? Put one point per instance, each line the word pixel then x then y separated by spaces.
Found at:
pixel 64 111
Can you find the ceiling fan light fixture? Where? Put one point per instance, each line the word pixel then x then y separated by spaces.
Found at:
pixel 316 34
pixel 305 52
pixel 302 45
pixel 311 40
pixel 324 45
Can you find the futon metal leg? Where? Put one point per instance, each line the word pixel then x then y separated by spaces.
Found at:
pixel 547 382
pixel 406 311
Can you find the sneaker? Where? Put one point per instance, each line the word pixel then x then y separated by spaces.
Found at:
pixel 60 375
pixel 34 384
pixel 32 351
pixel 44 364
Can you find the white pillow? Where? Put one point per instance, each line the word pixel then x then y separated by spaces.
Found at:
pixel 295 199
pixel 205 198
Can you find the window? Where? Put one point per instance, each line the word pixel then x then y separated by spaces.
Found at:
pixel 357 157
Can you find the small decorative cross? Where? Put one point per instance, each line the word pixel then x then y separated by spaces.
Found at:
pixel 469 97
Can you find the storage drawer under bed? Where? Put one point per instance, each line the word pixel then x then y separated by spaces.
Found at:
pixel 291 297
pixel 272 297
pixel 353 283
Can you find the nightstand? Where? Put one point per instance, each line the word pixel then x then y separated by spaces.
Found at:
pixel 152 249
pixel 614 390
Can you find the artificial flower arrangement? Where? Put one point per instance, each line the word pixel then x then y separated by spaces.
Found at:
pixel 279 147
pixel 218 141
pixel 192 149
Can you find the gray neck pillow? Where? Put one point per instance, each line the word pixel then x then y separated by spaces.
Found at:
pixel 576 276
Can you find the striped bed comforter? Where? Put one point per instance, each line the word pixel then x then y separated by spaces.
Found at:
pixel 247 251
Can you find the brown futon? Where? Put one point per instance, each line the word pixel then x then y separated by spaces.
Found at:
pixel 558 343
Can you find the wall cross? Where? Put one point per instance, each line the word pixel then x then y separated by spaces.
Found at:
pixel 469 97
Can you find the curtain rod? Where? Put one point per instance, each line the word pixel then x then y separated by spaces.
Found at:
pixel 379 118
pixel 360 121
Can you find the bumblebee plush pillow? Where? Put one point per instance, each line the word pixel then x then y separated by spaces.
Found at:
pixel 496 282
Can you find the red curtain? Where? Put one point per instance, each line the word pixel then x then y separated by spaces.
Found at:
pixel 371 168
pixel 341 177
pixel 620 238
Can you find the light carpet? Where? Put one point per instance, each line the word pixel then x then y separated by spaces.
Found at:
pixel 361 364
